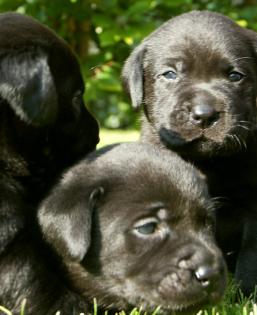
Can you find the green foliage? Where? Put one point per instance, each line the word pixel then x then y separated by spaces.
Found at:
pixel 103 32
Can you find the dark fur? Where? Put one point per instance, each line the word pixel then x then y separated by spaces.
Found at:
pixel 44 125
pixel 203 48
pixel 91 221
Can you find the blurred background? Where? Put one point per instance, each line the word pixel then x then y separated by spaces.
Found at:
pixel 103 33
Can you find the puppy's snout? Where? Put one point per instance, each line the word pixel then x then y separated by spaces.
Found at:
pixel 207 269
pixel 204 115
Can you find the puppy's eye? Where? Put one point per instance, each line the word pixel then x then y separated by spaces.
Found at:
pixel 170 75
pixel 146 227
pixel 235 76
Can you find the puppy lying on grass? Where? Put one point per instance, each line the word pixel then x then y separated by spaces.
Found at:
pixel 129 225
pixel 196 77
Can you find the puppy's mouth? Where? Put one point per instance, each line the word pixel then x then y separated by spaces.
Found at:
pixel 182 292
pixel 174 140
pixel 197 145
pixel 188 293
pixel 202 143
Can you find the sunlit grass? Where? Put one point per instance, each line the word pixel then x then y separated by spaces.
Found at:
pixel 232 304
pixel 237 309
pixel 8 312
pixel 114 136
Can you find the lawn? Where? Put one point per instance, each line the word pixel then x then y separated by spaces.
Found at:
pixel 228 306
pixel 114 136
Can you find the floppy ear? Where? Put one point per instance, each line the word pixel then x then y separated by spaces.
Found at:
pixel 26 83
pixel 65 219
pixel 133 76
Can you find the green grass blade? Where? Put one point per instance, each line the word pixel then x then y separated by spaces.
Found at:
pixel 95 306
pixel 5 310
pixel 23 304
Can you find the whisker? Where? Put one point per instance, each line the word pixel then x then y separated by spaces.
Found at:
pixel 242 141
pixel 246 122
pixel 235 140
pixel 219 199
pixel 238 141
pixel 244 127
pixel 240 58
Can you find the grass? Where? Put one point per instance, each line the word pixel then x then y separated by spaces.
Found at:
pixel 114 136
pixel 232 303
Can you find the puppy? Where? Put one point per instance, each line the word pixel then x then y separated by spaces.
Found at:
pixel 130 226
pixel 196 77
pixel 45 126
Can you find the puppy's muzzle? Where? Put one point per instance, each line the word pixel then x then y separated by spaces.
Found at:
pixel 200 275
pixel 204 115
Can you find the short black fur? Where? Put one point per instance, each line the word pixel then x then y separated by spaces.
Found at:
pixel 198 74
pixel 44 128
pixel 134 227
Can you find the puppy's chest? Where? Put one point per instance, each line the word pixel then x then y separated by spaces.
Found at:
pixel 233 198
pixel 234 183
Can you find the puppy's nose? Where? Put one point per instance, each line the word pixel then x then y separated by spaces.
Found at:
pixel 207 275
pixel 204 115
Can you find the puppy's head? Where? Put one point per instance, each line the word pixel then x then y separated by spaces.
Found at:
pixel 43 117
pixel 196 77
pixel 134 227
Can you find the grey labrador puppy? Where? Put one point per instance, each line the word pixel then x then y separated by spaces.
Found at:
pixel 130 226
pixel 196 77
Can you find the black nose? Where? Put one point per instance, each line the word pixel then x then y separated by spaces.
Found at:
pixel 207 275
pixel 204 115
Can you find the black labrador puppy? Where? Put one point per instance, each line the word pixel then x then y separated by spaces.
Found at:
pixel 130 226
pixel 44 125
pixel 196 77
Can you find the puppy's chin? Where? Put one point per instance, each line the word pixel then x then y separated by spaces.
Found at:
pixel 199 146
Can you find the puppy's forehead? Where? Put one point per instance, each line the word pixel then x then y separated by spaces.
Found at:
pixel 153 188
pixel 139 174
pixel 144 174
pixel 198 33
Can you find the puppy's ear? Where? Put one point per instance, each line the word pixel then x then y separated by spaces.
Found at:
pixel 133 76
pixel 65 219
pixel 26 83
